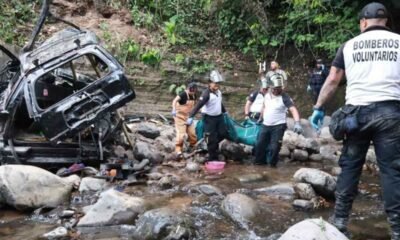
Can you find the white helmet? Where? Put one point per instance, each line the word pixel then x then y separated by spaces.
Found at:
pixel 216 77
pixel 264 83
pixel 276 80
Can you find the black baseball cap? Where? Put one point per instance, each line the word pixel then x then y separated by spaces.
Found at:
pixel 373 10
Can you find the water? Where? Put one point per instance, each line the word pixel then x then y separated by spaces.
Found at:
pixel 368 218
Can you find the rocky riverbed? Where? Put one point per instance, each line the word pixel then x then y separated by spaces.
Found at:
pixel 170 199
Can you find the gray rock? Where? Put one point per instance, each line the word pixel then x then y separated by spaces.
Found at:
pixel 302 204
pixel 240 208
pixel 323 183
pixel 162 223
pixel 312 145
pixel 313 229
pixel 193 167
pixel 304 191
pixel 300 155
pixel 290 139
pixel 316 157
pixel 232 150
pixel 28 187
pixel 164 144
pixel 283 191
pixel 328 152
pixel 67 213
pixel 148 130
pixel 113 208
pixel 209 190
pixel 155 175
pixel 251 177
pixel 144 150
pixel 57 233
pixel 284 152
pixel 326 135
pixel 90 184
pixel 119 151
pixel 336 171
pixel 168 181
pixel 168 132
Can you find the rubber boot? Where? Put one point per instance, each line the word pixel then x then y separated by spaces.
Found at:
pixel 340 224
pixel 394 221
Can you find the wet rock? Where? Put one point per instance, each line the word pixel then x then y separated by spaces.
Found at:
pixel 144 150
pixel 155 175
pixel 240 208
pixel 209 190
pixel 328 152
pixel 193 167
pixel 29 187
pixel 304 205
pixel 312 229
pixel 284 152
pixel 251 177
pixel 57 233
pixel 323 183
pixel 113 208
pixel 290 139
pixel 312 145
pixel 165 145
pixel 232 150
pixel 283 191
pixel 167 182
pixel 148 130
pixel 90 184
pixel 300 155
pixel 274 236
pixel 90 171
pixel 67 214
pixel 119 151
pixel 304 191
pixel 336 171
pixel 326 135
pixel 162 223
pixel 168 132
pixel 316 157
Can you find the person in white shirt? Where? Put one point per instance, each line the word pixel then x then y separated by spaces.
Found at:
pixel 273 118
pixel 255 102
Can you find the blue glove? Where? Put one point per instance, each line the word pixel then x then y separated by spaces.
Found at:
pixel 173 113
pixel 297 128
pixel 189 121
pixel 317 118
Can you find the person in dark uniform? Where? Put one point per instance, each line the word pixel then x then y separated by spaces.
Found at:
pixel 212 110
pixel 371 63
pixel 317 79
pixel 255 102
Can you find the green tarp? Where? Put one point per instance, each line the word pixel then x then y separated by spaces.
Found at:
pixel 245 132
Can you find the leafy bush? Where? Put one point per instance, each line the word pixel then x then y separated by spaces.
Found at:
pixel 151 57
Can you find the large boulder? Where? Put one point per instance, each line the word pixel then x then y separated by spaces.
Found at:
pixel 313 229
pixel 240 208
pixel 323 183
pixel 232 150
pixel 162 223
pixel 284 191
pixel 148 130
pixel 329 152
pixel 144 150
pixel 28 187
pixel 113 208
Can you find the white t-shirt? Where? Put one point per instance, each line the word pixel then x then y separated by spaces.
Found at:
pixel 213 107
pixel 372 65
pixel 275 108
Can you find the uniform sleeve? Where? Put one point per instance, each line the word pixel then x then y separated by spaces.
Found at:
pixel 287 100
pixel 252 97
pixel 338 62
pixel 205 96
pixel 284 75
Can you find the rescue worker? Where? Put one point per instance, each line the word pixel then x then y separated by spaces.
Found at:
pixel 212 110
pixel 275 69
pixel 182 105
pixel 370 62
pixel 317 79
pixel 255 102
pixel 273 118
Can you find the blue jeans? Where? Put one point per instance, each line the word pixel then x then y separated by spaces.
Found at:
pixel 269 144
pixel 379 123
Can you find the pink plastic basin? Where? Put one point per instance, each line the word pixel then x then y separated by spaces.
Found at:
pixel 215 165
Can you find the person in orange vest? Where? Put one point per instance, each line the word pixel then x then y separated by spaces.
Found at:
pixel 182 105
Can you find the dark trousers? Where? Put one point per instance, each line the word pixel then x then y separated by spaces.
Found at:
pixel 269 144
pixel 215 132
pixel 379 123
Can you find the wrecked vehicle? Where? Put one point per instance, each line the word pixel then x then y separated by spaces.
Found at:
pixel 58 101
